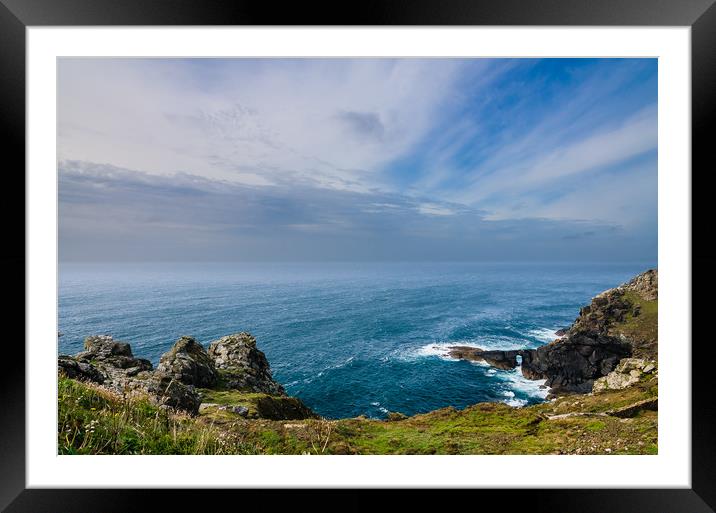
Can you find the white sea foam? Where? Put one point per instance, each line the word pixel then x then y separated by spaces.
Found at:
pixel 442 349
pixel 544 334
pixel 515 381
pixel 380 408
pixel 515 403
pixel 435 350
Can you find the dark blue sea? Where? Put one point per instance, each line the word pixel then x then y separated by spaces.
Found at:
pixel 348 339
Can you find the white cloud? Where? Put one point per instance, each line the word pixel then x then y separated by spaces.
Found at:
pixel 433 209
pixel 541 170
pixel 334 122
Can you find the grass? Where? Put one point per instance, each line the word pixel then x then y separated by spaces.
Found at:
pixel 259 405
pixel 95 421
pixel 643 329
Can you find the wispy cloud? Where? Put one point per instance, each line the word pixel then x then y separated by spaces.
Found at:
pixel 333 122
pixel 365 158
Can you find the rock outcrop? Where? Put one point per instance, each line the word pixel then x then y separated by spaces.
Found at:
pixel 165 390
pixel 501 359
pixel 646 285
pixel 606 308
pixel 233 366
pixel 114 359
pixel 571 364
pixel 111 363
pixel 612 327
pixel 617 324
pixel 242 366
pixel 628 372
pixel 78 369
pixel 188 362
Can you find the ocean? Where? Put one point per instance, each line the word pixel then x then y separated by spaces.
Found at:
pixel 348 339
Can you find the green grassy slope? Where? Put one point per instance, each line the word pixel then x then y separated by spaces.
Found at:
pixel 94 421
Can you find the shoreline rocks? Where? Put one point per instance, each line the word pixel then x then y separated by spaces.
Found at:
pixel 590 349
pixel 232 363
pixel 504 360
pixel 571 365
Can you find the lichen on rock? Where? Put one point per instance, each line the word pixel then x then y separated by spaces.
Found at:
pixel 628 372
pixel 233 364
pixel 188 362
pixel 242 366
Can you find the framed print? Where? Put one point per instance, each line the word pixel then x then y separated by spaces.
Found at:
pixel 420 251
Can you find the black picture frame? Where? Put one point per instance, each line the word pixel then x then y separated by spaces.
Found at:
pixel 17 15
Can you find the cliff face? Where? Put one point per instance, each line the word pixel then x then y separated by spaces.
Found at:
pixel 628 313
pixel 617 324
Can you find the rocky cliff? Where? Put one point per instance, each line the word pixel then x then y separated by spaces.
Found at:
pixel 618 323
pixel 232 376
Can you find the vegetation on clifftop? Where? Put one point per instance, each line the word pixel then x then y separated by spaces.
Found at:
pixel 95 421
pixel 642 330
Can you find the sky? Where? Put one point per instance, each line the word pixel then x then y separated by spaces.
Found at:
pixel 357 159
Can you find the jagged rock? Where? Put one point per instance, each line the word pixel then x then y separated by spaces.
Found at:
pixel 164 390
pixel 465 353
pixel 76 369
pixel 628 372
pixel 504 360
pixel 646 285
pixel 501 359
pixel 188 362
pixel 589 349
pixel 607 308
pixel 242 366
pixel 104 356
pixel 572 364
pixel 110 355
pixel 112 364
pixel 104 346
pixel 232 362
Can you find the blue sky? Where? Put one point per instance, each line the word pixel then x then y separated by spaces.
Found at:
pixel 357 159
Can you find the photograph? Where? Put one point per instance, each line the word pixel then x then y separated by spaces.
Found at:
pixel 357 256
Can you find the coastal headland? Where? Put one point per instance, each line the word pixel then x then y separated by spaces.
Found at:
pixel 602 375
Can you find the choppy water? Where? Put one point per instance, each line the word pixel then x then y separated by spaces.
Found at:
pixel 348 339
